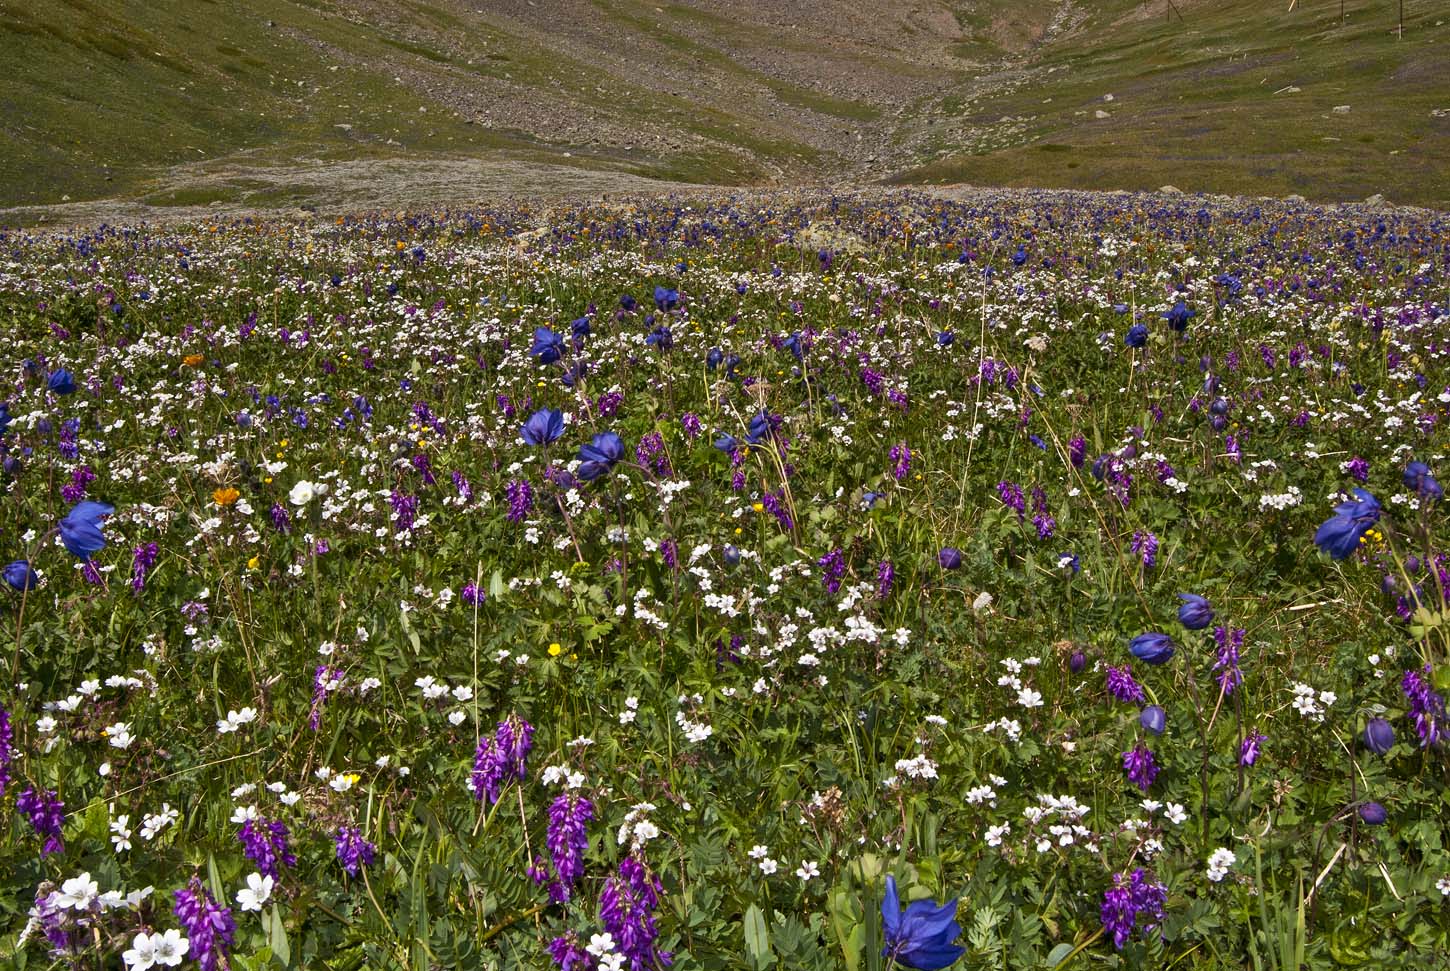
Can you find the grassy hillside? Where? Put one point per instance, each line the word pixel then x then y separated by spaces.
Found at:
pixel 203 101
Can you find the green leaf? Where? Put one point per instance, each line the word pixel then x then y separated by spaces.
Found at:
pixel 277 936
pixel 757 938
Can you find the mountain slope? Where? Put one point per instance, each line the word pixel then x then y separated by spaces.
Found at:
pixel 196 101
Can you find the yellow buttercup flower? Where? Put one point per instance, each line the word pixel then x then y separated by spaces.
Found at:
pixel 555 649
pixel 252 563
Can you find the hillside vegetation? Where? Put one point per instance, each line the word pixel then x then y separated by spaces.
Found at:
pixel 201 101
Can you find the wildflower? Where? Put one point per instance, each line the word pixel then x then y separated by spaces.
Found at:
pixel 548 346
pixel 626 909
pixel 209 927
pixel 922 936
pixel 265 843
pixel 143 558
pixel 1418 477
pixel 1378 737
pixel 1153 719
pixel 567 839
pixel 1218 863
pixel 301 494
pixel 46 814
pixel 1373 814
pixel 1138 762
pixel 61 381
pixel 1122 686
pixel 256 893
pixel 21 576
pixel 950 558
pixel 225 497
pixel 80 530
pixel 1152 648
pixel 1146 545
pixel 501 758
pixel 1426 707
pixel 353 852
pixel 544 426
pixel 1179 316
pixel 599 457
pixel 1195 613
pixel 1130 898
pixel 1230 676
pixel 150 950
pixel 1249 751
pixel 1341 534
pixel 1137 336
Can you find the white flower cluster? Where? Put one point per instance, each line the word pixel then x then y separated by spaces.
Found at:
pixel 1218 863
pixel 1308 705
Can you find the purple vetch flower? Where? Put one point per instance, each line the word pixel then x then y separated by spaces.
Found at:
pixel 281 520
pixel 900 456
pixel 353 852
pixel 626 909
pixel 46 814
pixel 461 483
pixel 1146 545
pixel 75 490
pixel 1358 469
pixel 209 926
pixel 1122 686
pixel 520 499
pixel 1426 707
pixel 1140 766
pixel 670 553
pixel 7 750
pixel 650 453
pixel 501 758
pixel 143 558
pixel 569 954
pixel 833 568
pixel 1229 674
pixel 1249 751
pixel 885 576
pixel 690 422
pixel 773 505
pixel 471 595
pixel 568 839
pixel 1129 898
pixel 1011 495
pixel 405 510
pixel 1077 451
pixel 325 680
pixel 264 842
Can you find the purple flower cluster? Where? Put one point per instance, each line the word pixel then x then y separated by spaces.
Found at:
pixel 1130 898
pixel 501 758
pixel 281 521
pixel 1227 665
pixel 1011 495
pixel 75 490
pixel 143 558
pixel 1427 708
pixel 322 679
pixel 405 510
pixel 46 814
pixel 650 453
pixel 626 908
pixel 1140 766
pixel 353 852
pixel 569 954
pixel 264 842
pixel 900 455
pixel 1122 686
pixel 885 576
pixel 464 487
pixel 520 499
pixel 833 568
pixel 7 749
pixel 209 926
pixel 1145 544
pixel 1249 751
pixel 773 505
pixel 568 839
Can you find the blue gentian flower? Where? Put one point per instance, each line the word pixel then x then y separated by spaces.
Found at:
pixel 1069 562
pixel 1379 736
pixel 945 338
pixel 80 530
pixel 599 457
pixel 1019 257
pixel 661 338
pixel 1195 612
pixel 869 499
pixel 1178 317
pixel 543 427
pixel 759 429
pixel 5 417
pixel 1339 536
pixel 1137 336
pixel 1153 719
pixel 793 344
pixel 1418 477
pixel 1373 814
pixel 1152 648
pixel 21 576
pixel 713 357
pixel 922 936
pixel 727 443
pixel 62 381
pixel 628 303
pixel 580 327
pixel 548 346
pixel 666 299
pixel 950 558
